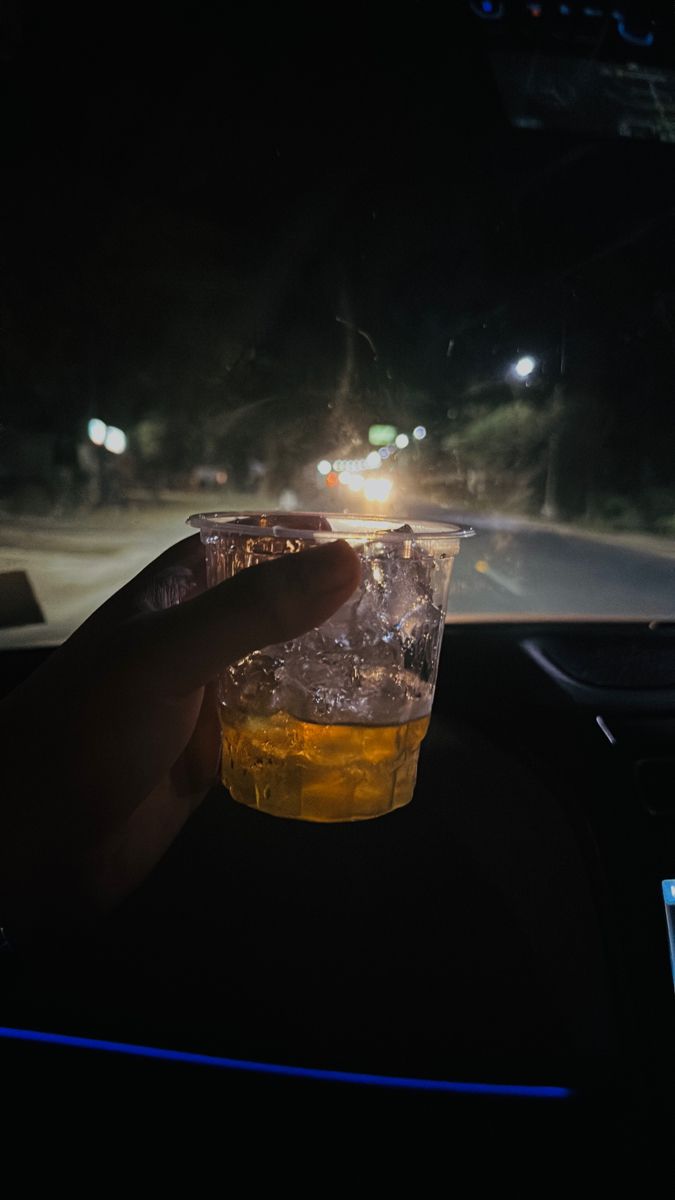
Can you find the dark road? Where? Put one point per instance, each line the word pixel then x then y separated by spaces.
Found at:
pixel 513 567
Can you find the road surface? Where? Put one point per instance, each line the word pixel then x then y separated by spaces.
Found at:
pixel 512 567
pixel 515 566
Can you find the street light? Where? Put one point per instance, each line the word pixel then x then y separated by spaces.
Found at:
pixel 115 440
pixel 525 366
pixel 97 430
pixel 109 436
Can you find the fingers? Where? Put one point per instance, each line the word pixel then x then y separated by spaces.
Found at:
pixel 176 571
pixel 197 769
pixel 183 563
pixel 186 646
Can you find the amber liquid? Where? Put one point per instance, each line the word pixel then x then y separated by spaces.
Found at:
pixel 295 768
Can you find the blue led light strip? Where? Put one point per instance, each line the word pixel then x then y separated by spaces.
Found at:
pixel 532 1092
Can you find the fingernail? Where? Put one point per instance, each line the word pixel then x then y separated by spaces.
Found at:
pixel 169 587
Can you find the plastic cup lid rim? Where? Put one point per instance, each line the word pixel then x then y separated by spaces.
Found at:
pixel 347 525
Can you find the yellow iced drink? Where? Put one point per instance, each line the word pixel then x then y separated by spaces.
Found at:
pixel 295 768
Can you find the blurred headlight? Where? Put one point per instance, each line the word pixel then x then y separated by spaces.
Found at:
pixel 377 489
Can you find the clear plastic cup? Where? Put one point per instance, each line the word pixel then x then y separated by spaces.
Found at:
pixel 328 727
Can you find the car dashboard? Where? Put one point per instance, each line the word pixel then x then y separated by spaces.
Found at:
pixel 493 955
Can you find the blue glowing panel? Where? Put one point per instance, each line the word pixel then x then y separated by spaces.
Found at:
pixel 526 1091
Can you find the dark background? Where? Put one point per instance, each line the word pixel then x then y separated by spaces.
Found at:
pixel 191 198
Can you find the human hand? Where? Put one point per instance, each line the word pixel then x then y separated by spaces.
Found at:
pixel 110 746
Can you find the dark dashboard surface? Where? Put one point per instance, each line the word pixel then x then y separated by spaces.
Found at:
pixel 507 926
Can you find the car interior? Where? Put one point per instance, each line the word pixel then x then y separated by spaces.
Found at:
pixel 506 927
pixel 490 965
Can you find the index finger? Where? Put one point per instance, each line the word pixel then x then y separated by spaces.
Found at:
pixel 177 574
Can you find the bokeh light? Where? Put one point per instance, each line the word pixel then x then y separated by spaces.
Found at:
pixel 525 366
pixel 115 440
pixel 97 430
pixel 377 489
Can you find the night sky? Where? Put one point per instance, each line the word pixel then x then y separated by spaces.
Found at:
pixel 184 187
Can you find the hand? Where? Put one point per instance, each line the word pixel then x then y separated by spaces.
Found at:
pixel 110 746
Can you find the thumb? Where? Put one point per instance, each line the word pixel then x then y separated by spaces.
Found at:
pixel 182 648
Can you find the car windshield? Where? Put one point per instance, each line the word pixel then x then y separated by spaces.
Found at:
pixel 409 269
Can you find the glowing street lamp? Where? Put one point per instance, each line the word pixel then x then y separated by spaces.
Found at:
pixel 115 440
pixel 96 431
pixel 525 366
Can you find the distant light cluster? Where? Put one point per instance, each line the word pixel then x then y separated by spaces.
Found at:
pixel 349 472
